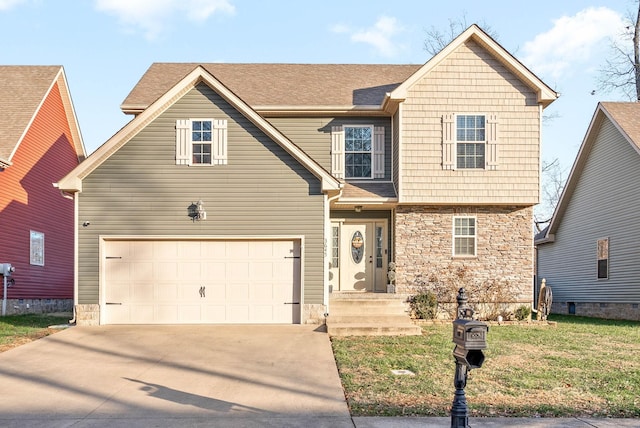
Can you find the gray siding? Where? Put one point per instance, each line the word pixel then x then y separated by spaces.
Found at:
pixel 261 192
pixel 313 135
pixel 605 204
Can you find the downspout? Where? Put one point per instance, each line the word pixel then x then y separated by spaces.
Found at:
pixel 72 196
pixel 75 258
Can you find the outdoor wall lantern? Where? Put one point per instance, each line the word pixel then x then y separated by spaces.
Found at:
pixel 196 211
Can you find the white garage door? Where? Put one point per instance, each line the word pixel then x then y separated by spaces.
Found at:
pixel 193 282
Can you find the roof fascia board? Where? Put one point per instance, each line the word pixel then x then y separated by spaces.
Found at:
pixel 72 118
pixel 546 95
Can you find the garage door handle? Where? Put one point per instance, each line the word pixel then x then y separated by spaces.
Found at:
pixel 291 303
pixel 112 303
pixel 291 257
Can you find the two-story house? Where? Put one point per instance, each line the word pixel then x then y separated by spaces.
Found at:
pixel 40 142
pixel 248 193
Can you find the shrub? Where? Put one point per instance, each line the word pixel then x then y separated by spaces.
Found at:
pixel 424 305
pixel 523 312
pixel 489 297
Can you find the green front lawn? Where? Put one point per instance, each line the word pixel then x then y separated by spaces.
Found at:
pixel 16 330
pixel 581 367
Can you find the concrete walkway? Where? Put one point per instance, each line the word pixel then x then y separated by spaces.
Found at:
pixel 195 376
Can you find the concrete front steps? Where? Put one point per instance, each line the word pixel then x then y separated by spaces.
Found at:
pixel 369 314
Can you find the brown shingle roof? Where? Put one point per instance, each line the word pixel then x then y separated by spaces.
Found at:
pixel 281 84
pixel 627 115
pixel 22 89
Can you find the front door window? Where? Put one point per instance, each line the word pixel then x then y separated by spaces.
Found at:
pixel 359 256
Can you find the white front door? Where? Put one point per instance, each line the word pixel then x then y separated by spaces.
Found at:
pixel 361 248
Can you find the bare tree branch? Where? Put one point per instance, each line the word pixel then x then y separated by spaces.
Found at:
pixel 621 71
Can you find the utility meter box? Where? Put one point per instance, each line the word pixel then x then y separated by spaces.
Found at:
pixel 6 269
pixel 470 337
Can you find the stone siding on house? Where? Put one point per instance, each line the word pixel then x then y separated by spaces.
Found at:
pixel 614 311
pixel 423 237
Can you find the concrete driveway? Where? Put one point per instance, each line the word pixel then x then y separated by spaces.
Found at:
pixel 161 376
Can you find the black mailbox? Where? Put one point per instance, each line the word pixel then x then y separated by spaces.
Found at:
pixel 470 337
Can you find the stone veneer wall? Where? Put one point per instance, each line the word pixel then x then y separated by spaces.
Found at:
pixel 423 245
pixel 38 306
pixel 614 311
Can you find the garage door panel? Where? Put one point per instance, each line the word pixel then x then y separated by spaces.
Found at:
pixel 214 314
pixel 140 314
pixel 141 292
pixel 141 270
pixel 214 271
pixel 166 282
pixel 190 314
pixel 166 292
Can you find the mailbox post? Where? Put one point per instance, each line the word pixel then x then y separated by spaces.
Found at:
pixel 470 338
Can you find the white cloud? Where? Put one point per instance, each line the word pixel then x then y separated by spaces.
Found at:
pixel 573 41
pixel 8 4
pixel 151 15
pixel 379 36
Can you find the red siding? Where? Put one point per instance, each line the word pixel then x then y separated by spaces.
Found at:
pixel 28 201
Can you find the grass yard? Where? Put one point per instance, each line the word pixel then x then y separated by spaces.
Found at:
pixel 581 367
pixel 16 330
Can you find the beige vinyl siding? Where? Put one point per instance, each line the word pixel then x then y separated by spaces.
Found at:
pixel 262 191
pixel 604 204
pixel 473 82
pixel 313 135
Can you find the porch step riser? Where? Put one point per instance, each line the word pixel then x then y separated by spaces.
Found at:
pixel 366 318
pixel 369 315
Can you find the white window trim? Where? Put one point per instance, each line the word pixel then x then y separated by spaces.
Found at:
pixel 184 142
pixel 454 236
pixel 450 141
pixel 339 152
pixel 35 258
pixel 608 258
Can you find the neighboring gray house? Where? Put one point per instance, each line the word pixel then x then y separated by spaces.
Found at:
pixel 313 177
pixel 589 254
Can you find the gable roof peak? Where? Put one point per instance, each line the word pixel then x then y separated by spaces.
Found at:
pixel 545 94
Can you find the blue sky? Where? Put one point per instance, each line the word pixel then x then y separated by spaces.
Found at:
pixel 106 45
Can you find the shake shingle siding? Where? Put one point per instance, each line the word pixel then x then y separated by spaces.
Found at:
pixel 604 204
pixel 470 81
pixel 261 192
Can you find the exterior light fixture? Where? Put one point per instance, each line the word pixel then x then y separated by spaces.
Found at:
pixel 358 208
pixel 196 211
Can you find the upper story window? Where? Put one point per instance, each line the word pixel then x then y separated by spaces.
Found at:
pixel 358 147
pixel 357 151
pixel 470 141
pixel 201 138
pixel 464 236
pixel 201 142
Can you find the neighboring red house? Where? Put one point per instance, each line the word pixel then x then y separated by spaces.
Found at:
pixel 40 143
